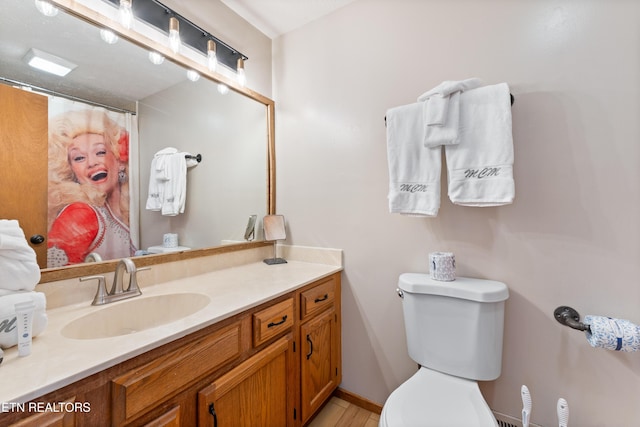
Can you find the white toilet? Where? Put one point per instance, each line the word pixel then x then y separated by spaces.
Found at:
pixel 454 332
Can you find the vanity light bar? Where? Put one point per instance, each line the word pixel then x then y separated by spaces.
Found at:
pixel 157 15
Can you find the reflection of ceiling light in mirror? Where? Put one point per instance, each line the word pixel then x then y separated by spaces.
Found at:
pixel 108 36
pixel 50 63
pixel 46 8
pixel 193 75
pixel 125 14
pixel 212 60
pixel 242 77
pixel 156 58
pixel 174 34
pixel 223 89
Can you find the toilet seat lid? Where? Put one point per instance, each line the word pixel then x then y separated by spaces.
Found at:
pixel 433 399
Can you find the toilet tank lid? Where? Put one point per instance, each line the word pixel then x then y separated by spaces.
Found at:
pixel 463 287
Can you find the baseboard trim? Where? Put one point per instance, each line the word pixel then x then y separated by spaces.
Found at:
pixel 357 400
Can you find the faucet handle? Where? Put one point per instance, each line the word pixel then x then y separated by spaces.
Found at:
pixel 101 293
pixel 133 280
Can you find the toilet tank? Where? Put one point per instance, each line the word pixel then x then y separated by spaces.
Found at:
pixel 455 327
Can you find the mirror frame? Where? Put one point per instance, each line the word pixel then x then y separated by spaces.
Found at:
pixel 83 12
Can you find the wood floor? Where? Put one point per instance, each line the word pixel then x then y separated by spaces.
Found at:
pixel 340 413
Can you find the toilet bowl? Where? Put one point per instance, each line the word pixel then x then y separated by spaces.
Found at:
pixel 433 399
pixel 454 332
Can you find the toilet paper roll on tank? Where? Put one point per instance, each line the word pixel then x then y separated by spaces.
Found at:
pixel 442 266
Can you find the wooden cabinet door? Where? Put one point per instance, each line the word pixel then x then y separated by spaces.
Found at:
pixel 24 124
pixel 319 369
pixel 259 392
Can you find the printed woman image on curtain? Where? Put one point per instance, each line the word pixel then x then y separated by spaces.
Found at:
pixel 88 194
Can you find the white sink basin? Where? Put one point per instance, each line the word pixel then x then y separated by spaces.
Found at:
pixel 134 315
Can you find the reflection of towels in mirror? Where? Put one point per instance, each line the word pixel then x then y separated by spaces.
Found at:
pixel 168 181
pixel 19 270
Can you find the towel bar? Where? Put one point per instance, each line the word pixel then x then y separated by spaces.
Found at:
pixel 198 157
pixel 570 317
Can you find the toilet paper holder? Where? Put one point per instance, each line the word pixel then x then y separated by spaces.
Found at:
pixel 571 318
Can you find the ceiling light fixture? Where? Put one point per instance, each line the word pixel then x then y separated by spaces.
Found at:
pixel 193 75
pixel 242 77
pixel 212 60
pixel 223 88
pixel 108 36
pixel 47 62
pixel 174 34
pixel 155 57
pixel 46 8
pixel 126 14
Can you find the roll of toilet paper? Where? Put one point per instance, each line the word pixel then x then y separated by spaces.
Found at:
pixel 170 240
pixel 612 334
pixel 442 266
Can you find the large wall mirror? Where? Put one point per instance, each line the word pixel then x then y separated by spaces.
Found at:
pixel 233 131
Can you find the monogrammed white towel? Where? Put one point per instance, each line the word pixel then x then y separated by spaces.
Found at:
pixel 480 166
pixel 414 170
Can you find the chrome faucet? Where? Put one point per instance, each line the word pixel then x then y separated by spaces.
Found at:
pixel 117 291
pixel 93 257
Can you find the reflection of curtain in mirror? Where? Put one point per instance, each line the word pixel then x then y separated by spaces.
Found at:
pixel 88 194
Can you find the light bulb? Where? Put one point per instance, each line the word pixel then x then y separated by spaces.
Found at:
pixel 46 8
pixel 155 58
pixel 174 34
pixel 193 75
pixel 223 89
pixel 126 14
pixel 242 77
pixel 212 60
pixel 108 36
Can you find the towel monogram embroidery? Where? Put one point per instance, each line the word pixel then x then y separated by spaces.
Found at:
pixel 481 173
pixel 414 188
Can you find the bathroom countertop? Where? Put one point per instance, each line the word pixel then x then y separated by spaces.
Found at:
pixel 57 361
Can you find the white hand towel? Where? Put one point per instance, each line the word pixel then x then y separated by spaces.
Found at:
pixel 612 334
pixel 446 134
pixel 448 87
pixel 8 319
pixel 158 176
pixel 480 167
pixel 175 192
pixel 414 170
pixel 19 268
pixel 442 111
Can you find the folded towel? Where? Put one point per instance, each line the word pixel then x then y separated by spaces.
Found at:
pixel 442 111
pixel 8 319
pixel 414 170
pixel 158 175
pixel 175 188
pixel 612 334
pixel 446 134
pixel 448 87
pixel 19 268
pixel 480 167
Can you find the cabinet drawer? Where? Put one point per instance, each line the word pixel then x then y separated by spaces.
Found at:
pixel 317 298
pixel 272 321
pixel 148 385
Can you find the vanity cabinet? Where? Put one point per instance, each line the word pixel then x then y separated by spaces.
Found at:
pixel 256 393
pixel 272 365
pixel 320 369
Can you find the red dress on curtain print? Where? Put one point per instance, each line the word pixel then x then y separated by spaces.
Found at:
pixel 80 229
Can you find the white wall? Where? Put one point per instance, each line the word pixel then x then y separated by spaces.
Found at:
pixel 570 238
